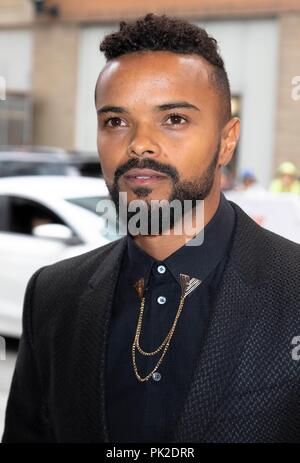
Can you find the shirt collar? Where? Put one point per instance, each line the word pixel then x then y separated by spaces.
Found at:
pixel 196 261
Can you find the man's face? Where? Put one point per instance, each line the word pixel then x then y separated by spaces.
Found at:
pixel 158 111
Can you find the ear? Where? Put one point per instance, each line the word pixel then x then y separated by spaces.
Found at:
pixel 229 138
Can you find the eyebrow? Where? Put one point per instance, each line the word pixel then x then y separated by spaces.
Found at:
pixel 111 109
pixel 177 104
pixel 162 107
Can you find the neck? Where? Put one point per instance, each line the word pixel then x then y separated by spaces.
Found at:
pixel 162 246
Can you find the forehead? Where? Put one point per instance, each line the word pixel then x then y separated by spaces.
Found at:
pixel 154 75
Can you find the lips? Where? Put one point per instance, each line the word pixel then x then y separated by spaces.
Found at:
pixel 143 176
pixel 143 173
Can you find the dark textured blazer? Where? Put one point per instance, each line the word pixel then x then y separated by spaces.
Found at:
pixel 246 385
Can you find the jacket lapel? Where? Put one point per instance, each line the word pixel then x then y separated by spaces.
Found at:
pixel 231 323
pixel 91 337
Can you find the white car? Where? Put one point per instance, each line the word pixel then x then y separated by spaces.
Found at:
pixel 43 220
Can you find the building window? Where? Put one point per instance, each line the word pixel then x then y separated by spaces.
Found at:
pixel 16 119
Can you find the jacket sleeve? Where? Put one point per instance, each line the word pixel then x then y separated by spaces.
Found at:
pixel 26 414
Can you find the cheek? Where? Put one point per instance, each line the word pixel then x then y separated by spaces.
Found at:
pixel 192 153
pixel 107 170
pixel 111 155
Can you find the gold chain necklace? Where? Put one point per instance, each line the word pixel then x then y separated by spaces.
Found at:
pixel 188 285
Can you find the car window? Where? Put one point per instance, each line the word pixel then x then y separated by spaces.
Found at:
pixel 4 213
pixel 89 168
pixel 16 168
pixel 88 202
pixel 24 214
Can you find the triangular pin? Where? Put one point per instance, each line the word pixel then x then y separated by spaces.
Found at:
pixel 188 284
pixel 139 287
pixel 184 280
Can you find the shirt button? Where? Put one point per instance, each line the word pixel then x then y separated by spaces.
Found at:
pixel 161 299
pixel 161 269
pixel 156 376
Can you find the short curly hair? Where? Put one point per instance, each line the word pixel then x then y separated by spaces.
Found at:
pixel 163 33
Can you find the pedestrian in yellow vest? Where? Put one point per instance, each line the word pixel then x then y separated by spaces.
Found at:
pixel 286 181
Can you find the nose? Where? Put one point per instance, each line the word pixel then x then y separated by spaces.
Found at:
pixel 142 143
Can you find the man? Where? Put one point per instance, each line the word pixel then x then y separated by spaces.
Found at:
pixel 150 338
pixel 287 179
pixel 249 183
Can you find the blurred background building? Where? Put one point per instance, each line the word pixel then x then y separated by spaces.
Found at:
pixel 50 60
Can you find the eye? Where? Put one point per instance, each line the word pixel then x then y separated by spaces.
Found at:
pixel 114 122
pixel 176 119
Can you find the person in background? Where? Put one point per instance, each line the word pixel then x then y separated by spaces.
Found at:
pixel 249 182
pixel 286 181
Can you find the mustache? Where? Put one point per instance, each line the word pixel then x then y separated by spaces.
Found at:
pixel 146 163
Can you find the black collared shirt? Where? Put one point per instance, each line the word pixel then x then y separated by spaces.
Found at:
pixel 148 411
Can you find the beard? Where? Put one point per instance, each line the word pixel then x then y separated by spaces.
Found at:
pixel 187 192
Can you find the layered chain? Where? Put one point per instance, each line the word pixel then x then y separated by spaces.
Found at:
pixel 165 343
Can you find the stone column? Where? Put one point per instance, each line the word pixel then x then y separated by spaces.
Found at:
pixel 287 139
pixel 55 71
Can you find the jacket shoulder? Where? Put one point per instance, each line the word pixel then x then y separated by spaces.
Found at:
pixel 74 269
pixel 259 235
pixel 264 255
